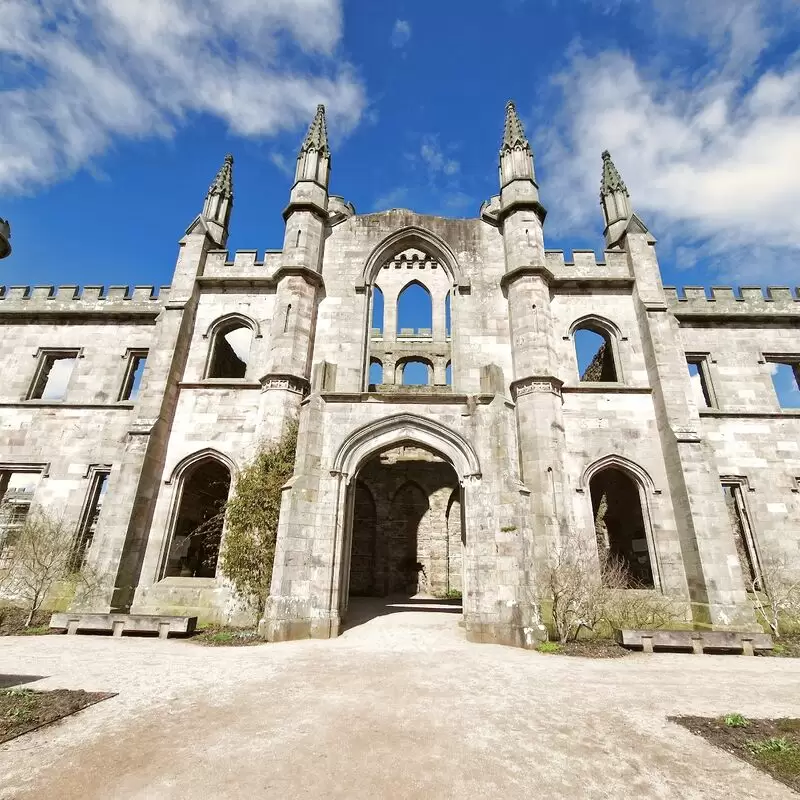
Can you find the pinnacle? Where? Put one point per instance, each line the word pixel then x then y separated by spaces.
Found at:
pixel 223 183
pixel 317 136
pixel 612 180
pixel 514 133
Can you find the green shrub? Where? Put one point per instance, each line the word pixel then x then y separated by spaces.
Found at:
pixel 548 647
pixel 735 721
pixel 775 744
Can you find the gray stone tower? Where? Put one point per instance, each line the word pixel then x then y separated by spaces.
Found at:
pixel 5 236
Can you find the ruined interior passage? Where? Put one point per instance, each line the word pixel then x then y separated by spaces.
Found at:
pixel 407 527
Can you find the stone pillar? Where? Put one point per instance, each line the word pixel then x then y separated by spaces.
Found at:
pixel 713 574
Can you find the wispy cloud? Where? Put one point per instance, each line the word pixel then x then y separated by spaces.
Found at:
pixel 711 157
pixel 282 163
pixel 401 33
pixel 394 198
pixel 431 154
pixel 82 74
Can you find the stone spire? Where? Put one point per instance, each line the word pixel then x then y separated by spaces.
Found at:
pixel 615 202
pixel 5 235
pixel 314 158
pixel 516 159
pixel 215 217
pixel 317 136
pixel 514 133
pixel 223 183
pixel 612 180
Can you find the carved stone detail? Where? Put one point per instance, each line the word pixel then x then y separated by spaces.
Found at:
pixel 536 384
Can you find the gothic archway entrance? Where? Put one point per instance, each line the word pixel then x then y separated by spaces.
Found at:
pixel 406 535
pixel 406 530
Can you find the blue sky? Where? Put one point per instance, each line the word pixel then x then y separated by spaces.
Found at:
pixel 116 115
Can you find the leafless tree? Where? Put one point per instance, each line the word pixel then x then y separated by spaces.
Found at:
pixel 586 591
pixel 777 594
pixel 37 554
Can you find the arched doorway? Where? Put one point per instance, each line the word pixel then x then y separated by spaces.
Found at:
pixel 405 537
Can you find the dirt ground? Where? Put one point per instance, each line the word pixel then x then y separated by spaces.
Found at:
pixel 400 706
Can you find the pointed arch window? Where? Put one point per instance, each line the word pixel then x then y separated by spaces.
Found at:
pixel 448 374
pixel 197 528
pixel 596 352
pixel 414 311
pixel 377 311
pixel 620 526
pixel 230 350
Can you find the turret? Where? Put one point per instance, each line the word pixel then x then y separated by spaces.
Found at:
pixel 219 202
pixel 516 158
pixel 215 217
pixel 520 214
pixel 5 235
pixel 314 158
pixel 615 202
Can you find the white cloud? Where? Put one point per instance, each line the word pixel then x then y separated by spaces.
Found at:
pixel 82 74
pixel 435 159
pixel 394 198
pixel 401 33
pixel 282 163
pixel 711 158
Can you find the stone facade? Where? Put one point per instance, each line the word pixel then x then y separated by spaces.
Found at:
pixel 466 483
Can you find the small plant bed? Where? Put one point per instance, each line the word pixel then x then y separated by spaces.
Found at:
pixel 771 745
pixel 25 710
pixel 12 622
pixel 788 646
pixel 585 648
pixel 227 637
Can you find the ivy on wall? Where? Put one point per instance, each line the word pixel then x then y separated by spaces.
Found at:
pixel 248 549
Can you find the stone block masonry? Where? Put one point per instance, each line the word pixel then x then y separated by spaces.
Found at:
pixel 114 403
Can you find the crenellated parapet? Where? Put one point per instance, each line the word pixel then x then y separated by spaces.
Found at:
pixel 72 301
pixel 696 302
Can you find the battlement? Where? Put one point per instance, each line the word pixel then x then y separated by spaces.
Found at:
pixel 584 264
pixel 772 300
pixel 245 263
pixel 75 299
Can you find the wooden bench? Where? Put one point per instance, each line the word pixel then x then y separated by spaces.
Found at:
pixel 694 641
pixel 117 624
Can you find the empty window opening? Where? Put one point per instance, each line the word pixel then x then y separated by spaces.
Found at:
pixel 407 531
pixel 447 317
pixel 416 373
pixel 742 534
pixel 620 527
pixel 595 355
pixel 701 386
pixel 197 533
pixel 448 374
pixel 377 312
pixel 16 496
pixel 231 351
pixel 297 241
pixel 786 380
pixel 133 376
pixel 414 311
pixel 90 516
pixel 52 377
pixel 286 318
pixel 375 373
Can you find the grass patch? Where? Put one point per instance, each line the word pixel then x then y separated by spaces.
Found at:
pixel 220 636
pixel 12 622
pixel 548 647
pixel 771 745
pixel 735 721
pixel 25 710
pixel 788 646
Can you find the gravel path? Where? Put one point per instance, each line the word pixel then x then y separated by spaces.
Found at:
pixel 399 707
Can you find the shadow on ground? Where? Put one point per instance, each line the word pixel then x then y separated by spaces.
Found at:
pixel 7 681
pixel 362 609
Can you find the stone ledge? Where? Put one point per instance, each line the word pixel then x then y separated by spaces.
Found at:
pixel 122 406
pixel 605 388
pixel 785 413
